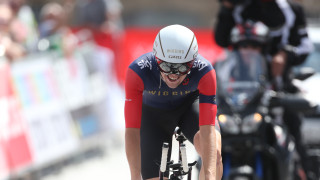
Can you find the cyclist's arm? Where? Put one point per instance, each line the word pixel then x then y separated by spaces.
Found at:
pixel 207 115
pixel 132 136
pixel 133 105
pixel 209 152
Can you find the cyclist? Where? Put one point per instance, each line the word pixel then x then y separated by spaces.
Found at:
pixel 171 86
pixel 289 45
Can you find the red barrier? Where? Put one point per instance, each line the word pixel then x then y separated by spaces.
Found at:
pixel 14 148
pixel 5 86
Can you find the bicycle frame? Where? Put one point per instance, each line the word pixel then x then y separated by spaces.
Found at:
pixel 181 168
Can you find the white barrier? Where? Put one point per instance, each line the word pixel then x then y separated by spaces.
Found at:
pixel 60 105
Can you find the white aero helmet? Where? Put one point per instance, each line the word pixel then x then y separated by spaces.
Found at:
pixel 175 44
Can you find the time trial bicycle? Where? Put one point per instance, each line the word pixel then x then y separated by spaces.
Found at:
pixel 176 170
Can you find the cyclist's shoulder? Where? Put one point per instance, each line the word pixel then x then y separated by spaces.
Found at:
pixel 144 62
pixel 202 64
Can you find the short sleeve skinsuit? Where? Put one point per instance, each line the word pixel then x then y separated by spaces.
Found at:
pixel 157 109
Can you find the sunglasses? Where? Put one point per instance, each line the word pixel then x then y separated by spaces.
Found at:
pixel 174 68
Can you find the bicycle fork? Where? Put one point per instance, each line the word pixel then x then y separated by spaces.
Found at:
pixel 164 156
pixel 183 163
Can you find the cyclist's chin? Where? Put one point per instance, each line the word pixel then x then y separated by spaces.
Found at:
pixel 172 86
pixel 173 80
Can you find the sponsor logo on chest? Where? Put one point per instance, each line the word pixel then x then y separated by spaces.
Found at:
pixel 168 93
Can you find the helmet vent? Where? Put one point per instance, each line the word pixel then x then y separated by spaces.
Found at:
pixel 161 46
pixel 189 47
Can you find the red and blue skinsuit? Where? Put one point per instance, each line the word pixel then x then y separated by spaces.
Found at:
pixel 144 85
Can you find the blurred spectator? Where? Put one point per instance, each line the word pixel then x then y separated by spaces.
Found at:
pixel 103 18
pixel 51 19
pixel 115 23
pixel 24 27
pixel 101 15
pixel 54 30
pixel 8 47
pixel 5 17
pixel 88 13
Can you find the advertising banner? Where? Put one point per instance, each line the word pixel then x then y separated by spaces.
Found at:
pixel 50 129
pixel 14 147
pixel 49 105
pixel 71 77
pixel 89 72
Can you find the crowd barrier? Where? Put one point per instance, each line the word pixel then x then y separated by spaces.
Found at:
pixel 52 107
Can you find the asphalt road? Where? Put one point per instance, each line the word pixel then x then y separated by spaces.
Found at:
pixel 109 163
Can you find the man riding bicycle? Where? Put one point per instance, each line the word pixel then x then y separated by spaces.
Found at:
pixel 169 87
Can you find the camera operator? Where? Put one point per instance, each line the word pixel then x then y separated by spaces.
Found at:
pixel 288 46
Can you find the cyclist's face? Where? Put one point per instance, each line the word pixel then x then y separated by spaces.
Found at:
pixel 172 80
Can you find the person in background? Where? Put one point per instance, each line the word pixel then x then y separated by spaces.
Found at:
pixel 53 27
pixel 91 14
pixel 9 49
pixel 24 27
pixel 114 16
pixel 51 19
pixel 289 46
pixel 289 40
pixel 171 86
pixel 100 15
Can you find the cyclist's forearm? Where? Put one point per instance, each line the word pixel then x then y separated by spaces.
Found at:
pixel 209 154
pixel 132 143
